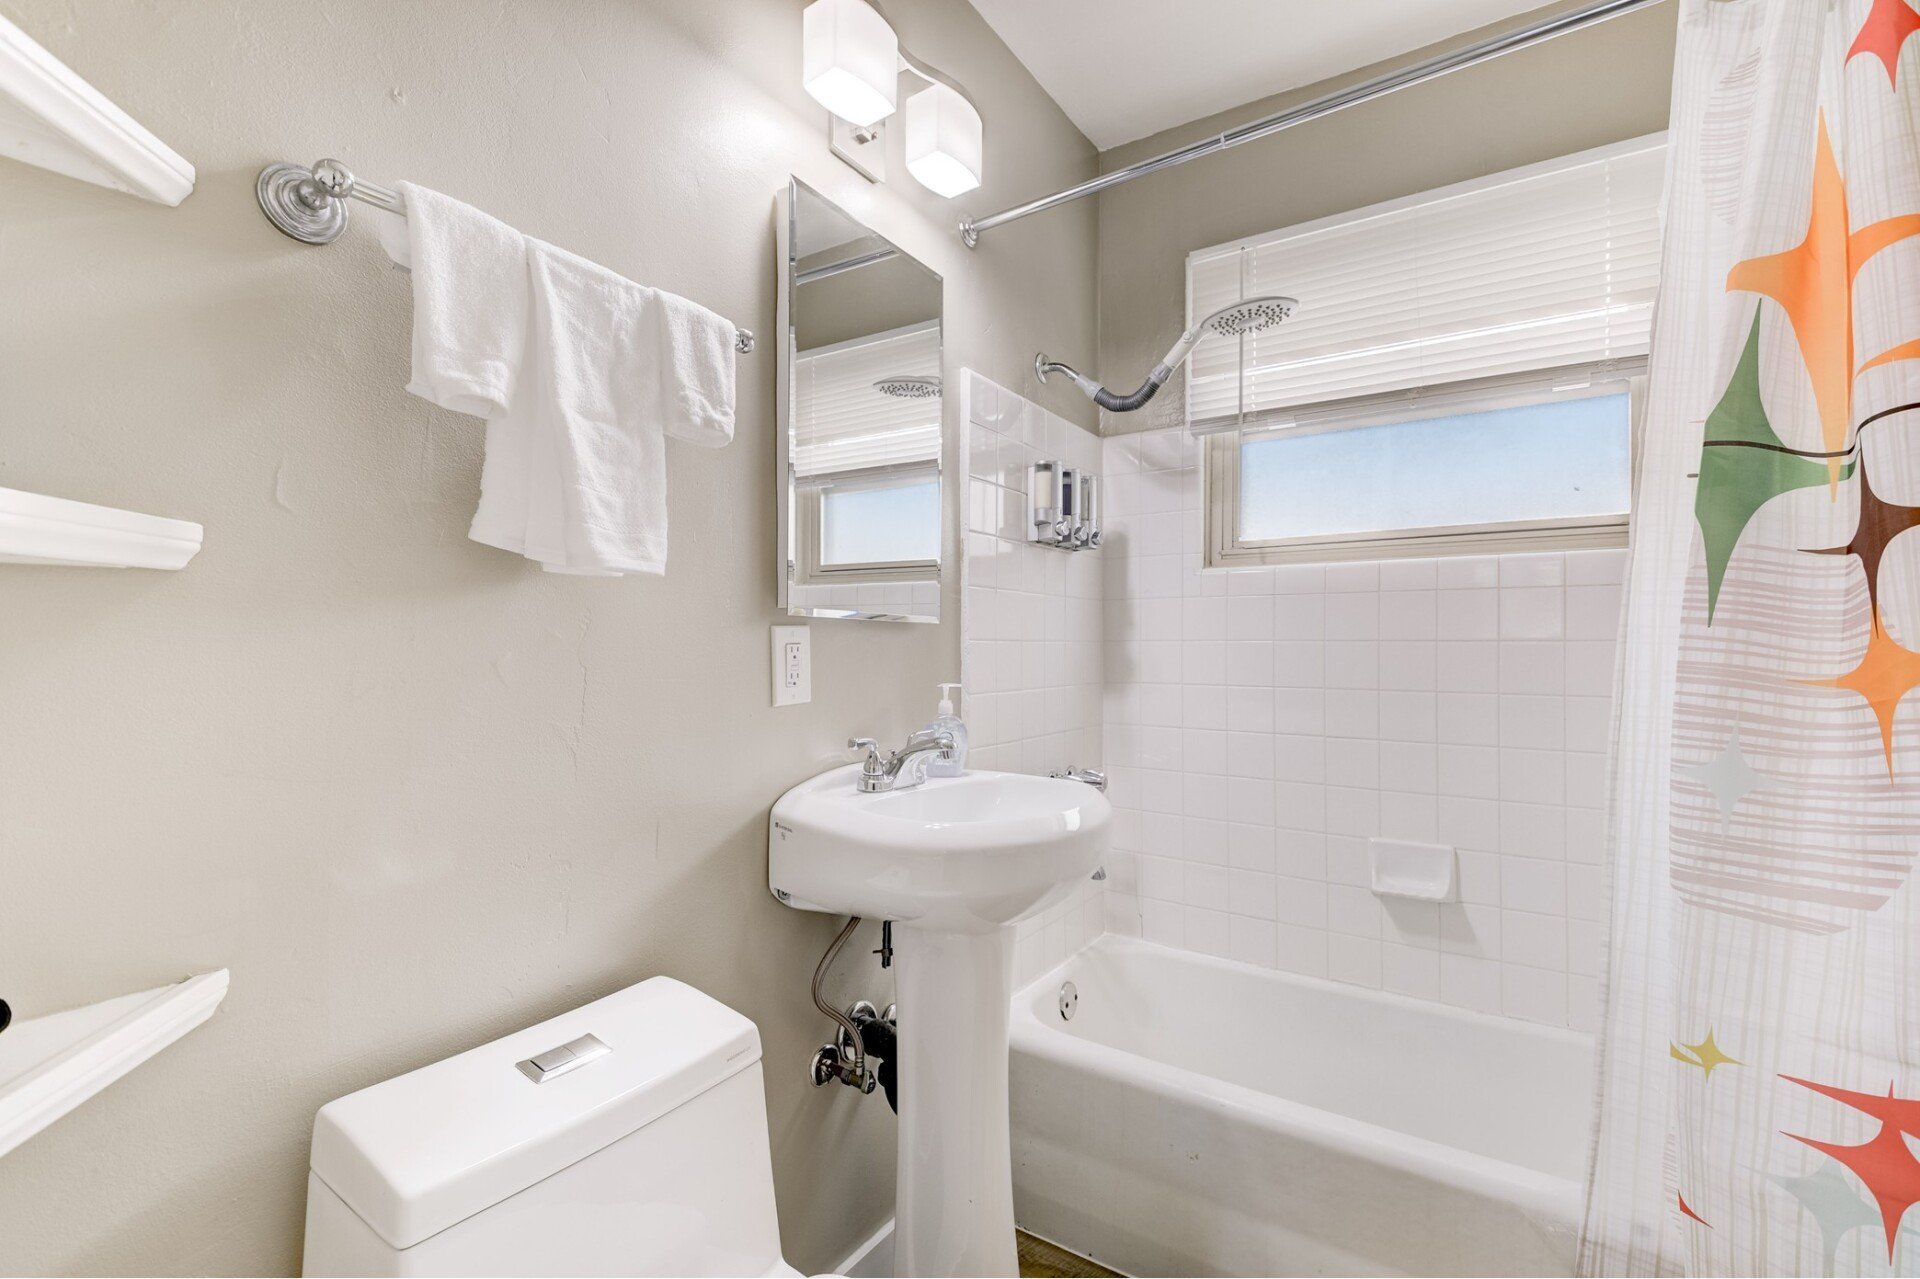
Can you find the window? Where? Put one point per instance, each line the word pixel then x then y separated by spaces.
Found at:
pixel 866 462
pixel 878 522
pixel 1460 374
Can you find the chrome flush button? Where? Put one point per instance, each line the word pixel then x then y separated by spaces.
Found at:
pixel 568 1056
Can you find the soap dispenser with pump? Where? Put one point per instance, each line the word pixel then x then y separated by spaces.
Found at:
pixel 949 719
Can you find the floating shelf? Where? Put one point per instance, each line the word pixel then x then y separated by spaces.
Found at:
pixel 52 118
pixel 51 530
pixel 49 1065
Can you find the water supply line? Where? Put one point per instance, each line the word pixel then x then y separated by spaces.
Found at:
pixel 829 1064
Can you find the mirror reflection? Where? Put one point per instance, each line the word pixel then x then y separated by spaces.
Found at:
pixel 861 404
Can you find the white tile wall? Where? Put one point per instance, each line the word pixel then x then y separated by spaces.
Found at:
pixel 871 597
pixel 1261 725
pixel 1032 626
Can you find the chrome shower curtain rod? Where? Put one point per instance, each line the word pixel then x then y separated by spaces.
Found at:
pixel 1563 23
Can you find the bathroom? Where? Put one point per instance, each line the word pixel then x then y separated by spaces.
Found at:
pixel 1201 657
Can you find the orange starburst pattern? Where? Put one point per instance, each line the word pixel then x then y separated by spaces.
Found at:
pixel 1884 34
pixel 1908 350
pixel 1885 675
pixel 1884 1165
pixel 1813 283
pixel 1687 1211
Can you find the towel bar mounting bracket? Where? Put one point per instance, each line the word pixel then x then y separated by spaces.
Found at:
pixel 295 200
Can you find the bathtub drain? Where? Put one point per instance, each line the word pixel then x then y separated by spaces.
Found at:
pixel 1069 1000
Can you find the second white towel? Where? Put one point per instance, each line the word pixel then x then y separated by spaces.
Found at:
pixel 582 375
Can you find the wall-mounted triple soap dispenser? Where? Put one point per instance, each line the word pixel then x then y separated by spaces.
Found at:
pixel 1066 507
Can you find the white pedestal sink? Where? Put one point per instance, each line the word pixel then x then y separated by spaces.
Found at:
pixel 954 862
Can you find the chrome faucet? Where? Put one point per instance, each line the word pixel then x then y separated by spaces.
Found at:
pixel 879 773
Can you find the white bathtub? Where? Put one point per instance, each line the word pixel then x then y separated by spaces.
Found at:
pixel 1203 1117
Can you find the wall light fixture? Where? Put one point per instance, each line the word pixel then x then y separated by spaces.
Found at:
pixel 851 64
pixel 850 60
pixel 944 142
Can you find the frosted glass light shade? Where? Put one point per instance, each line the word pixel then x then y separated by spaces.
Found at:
pixel 850 60
pixel 944 143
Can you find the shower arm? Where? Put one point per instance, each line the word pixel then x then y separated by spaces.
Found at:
pixel 1230 320
pixel 1045 368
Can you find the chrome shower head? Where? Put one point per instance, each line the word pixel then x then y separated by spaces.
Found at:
pixel 909 388
pixel 1236 319
pixel 1250 316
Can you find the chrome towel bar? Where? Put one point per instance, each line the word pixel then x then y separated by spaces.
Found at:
pixel 311 206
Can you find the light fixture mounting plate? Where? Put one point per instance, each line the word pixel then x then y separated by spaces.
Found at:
pixel 864 148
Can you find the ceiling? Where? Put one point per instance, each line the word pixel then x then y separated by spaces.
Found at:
pixel 1124 69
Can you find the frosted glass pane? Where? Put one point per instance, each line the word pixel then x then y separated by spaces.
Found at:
pixel 881 525
pixel 1540 462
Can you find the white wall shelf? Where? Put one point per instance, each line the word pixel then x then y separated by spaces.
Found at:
pixel 50 1065
pixel 52 118
pixel 35 529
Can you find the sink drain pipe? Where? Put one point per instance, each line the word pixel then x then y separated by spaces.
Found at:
pixel 882 1040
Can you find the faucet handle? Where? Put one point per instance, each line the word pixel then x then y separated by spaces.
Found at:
pixel 864 750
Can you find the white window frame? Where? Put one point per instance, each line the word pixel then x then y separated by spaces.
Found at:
pixel 810 570
pixel 1223 435
pixel 1221 497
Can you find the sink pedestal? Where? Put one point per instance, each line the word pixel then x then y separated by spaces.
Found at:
pixel 954 862
pixel 954 1210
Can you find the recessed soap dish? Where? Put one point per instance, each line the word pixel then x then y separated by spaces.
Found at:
pixel 1420 872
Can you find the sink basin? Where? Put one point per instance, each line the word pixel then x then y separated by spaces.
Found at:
pixel 959 854
pixel 953 862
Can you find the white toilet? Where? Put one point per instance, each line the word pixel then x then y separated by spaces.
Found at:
pixel 628 1137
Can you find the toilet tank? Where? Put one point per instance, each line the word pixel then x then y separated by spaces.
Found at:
pixel 640 1151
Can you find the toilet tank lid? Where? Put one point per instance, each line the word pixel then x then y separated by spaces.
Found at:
pixel 423 1151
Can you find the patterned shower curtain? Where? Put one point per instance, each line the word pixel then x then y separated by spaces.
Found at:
pixel 1760 1074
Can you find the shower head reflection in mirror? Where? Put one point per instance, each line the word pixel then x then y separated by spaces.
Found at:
pixel 907 387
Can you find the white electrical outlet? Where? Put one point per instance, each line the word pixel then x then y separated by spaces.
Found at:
pixel 792 666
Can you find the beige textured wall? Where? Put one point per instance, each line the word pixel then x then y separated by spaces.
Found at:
pixel 1584 90
pixel 412 791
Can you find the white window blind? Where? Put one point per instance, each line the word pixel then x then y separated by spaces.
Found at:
pixel 1540 274
pixel 844 425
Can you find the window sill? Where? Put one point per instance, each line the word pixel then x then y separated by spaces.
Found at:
pixel 1371 547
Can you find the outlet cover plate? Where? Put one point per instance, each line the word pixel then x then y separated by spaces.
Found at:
pixel 792 665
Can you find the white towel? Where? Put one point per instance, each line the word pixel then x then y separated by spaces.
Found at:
pixel 471 319
pixel 693 369
pixel 469 301
pixel 581 379
pixel 598 465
